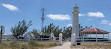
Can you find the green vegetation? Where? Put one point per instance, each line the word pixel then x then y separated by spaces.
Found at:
pixel 66 31
pixel 14 45
pixel 27 45
pixel 21 28
pixel 92 45
pixel 3 46
pixel 53 44
pixel 24 46
pixel 33 43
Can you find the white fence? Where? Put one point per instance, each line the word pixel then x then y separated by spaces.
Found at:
pixel 87 39
pixel 35 39
pixel 45 39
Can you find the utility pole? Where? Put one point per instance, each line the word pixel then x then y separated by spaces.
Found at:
pixel 2 30
pixel 42 18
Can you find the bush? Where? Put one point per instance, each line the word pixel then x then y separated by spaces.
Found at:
pixel 32 43
pixel 14 45
pixel 24 47
pixel 53 44
pixel 40 45
pixel 3 46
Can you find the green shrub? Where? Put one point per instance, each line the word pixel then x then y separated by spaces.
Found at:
pixel 24 47
pixel 3 46
pixel 14 45
pixel 32 43
pixel 53 44
pixel 40 45
pixel 35 44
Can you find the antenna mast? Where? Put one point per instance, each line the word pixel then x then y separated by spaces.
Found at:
pixel 42 18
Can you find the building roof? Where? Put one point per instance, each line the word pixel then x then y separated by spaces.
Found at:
pixel 47 34
pixel 94 31
pixel 35 33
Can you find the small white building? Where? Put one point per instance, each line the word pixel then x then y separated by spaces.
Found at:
pixel 29 36
pixel 52 37
pixel 8 37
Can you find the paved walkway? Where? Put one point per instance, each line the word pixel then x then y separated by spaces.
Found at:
pixel 64 46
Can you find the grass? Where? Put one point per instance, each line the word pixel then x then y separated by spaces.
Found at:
pixel 26 45
pixel 92 46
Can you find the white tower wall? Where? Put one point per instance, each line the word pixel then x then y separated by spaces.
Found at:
pixel 75 26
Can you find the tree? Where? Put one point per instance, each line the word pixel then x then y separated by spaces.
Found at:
pixel 66 31
pixel 57 31
pixel 35 32
pixel 21 28
pixel 49 28
pixel 2 30
pixel 52 29
pixel 81 28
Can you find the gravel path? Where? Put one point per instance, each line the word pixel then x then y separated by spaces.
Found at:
pixel 64 46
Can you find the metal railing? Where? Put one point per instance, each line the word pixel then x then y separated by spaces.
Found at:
pixel 89 39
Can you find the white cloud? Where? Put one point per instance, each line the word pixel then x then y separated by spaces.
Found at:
pixel 10 7
pixel 95 14
pixel 69 25
pixel 82 14
pixel 110 24
pixel 105 22
pixel 59 17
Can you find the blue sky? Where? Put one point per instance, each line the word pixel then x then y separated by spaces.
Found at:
pixel 59 12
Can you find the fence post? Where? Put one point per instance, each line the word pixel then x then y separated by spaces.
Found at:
pixel 73 39
pixel 83 37
pixel 41 39
pixel 52 37
pixel 96 38
pixel 108 36
pixel 60 39
pixel 103 35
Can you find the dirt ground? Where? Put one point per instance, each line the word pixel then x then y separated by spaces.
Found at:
pixel 92 46
pixel 66 45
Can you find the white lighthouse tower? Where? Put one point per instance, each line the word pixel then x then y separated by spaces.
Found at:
pixel 75 26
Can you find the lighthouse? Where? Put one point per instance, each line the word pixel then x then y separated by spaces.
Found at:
pixel 75 23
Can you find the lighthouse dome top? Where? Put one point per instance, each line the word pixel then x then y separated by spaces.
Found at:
pixel 75 6
pixel 75 9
